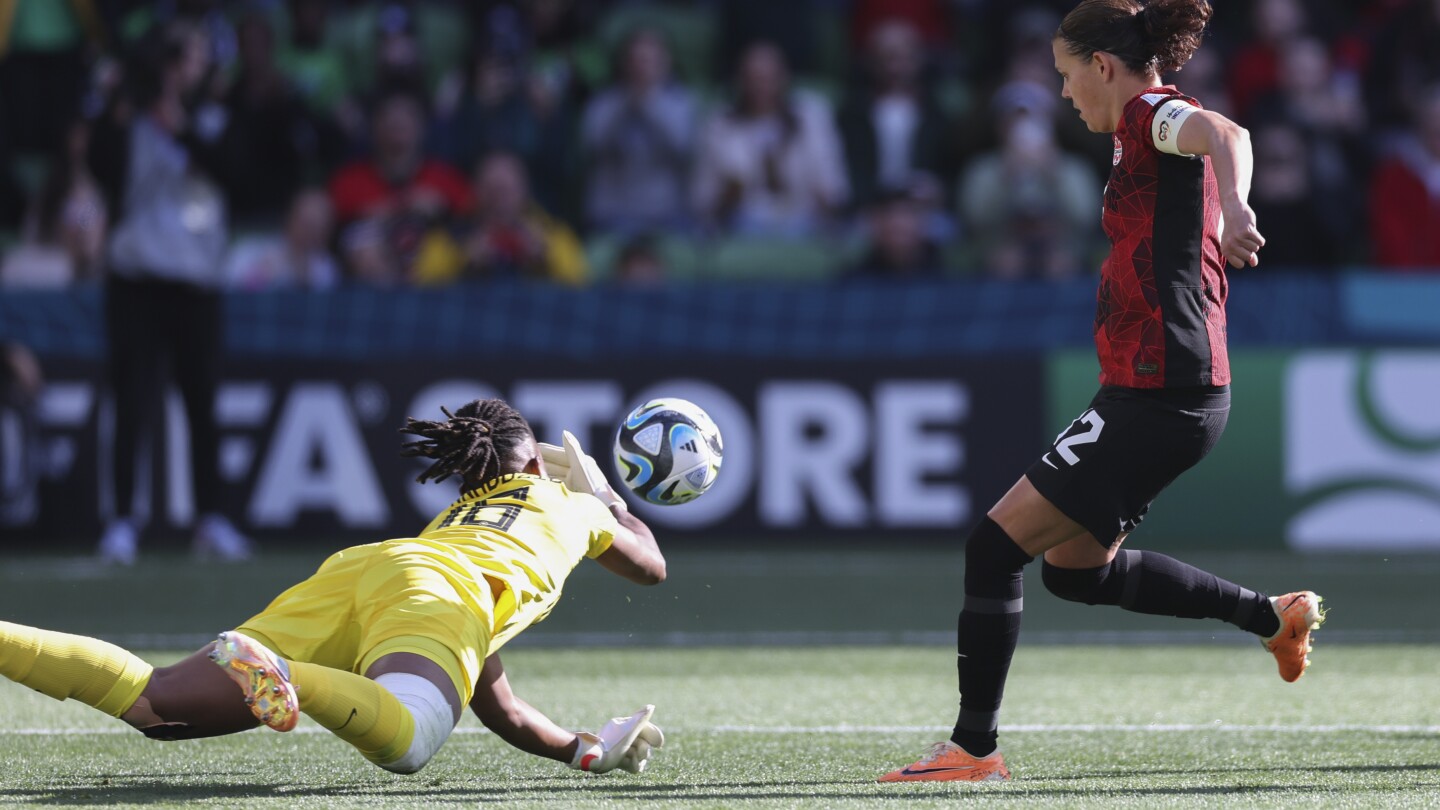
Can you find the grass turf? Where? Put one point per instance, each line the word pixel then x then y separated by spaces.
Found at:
pixel 780 726
pixel 1094 726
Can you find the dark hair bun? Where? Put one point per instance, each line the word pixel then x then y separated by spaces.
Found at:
pixel 1173 30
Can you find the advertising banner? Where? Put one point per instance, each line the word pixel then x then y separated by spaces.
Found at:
pixel 867 451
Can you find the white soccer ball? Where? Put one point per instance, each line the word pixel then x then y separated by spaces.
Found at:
pixel 668 451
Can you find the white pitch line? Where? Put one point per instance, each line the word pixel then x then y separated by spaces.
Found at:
pixel 1090 728
pixel 1043 728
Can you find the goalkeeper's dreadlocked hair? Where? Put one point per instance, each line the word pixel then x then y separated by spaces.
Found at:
pixel 477 442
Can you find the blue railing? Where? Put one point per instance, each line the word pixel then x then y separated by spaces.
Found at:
pixel 741 320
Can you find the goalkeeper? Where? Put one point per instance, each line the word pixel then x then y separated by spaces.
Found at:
pixel 386 643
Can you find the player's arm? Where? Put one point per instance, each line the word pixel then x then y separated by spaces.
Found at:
pixel 1201 132
pixel 634 554
pixel 515 721
pixel 624 742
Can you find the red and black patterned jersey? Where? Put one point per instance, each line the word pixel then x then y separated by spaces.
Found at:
pixel 1160 319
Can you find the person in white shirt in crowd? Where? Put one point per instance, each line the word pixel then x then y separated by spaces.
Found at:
pixel 297 257
pixel 771 164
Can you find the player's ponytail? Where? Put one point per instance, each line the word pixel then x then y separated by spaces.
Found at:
pixel 476 442
pixel 1156 36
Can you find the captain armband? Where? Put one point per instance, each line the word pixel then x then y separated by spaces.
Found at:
pixel 1165 126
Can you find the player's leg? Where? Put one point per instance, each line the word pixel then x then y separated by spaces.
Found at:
pixel 187 700
pixel 1082 570
pixel 1022 525
pixel 397 715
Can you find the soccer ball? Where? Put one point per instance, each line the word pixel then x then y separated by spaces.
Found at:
pixel 668 451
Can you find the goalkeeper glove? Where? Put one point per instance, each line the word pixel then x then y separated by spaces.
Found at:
pixel 624 743
pixel 572 467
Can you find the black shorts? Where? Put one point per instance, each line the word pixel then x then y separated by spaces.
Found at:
pixel 1105 469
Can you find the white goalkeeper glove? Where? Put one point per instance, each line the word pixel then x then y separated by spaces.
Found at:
pixel 624 743
pixel 572 467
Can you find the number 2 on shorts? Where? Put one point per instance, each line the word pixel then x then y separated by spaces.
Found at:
pixel 1064 443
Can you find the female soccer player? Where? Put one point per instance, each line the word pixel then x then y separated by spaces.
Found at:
pixel 386 643
pixel 1175 212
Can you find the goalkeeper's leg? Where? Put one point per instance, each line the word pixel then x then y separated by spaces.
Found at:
pixel 397 715
pixel 188 699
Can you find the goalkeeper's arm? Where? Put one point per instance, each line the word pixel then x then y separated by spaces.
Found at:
pixel 515 721
pixel 623 743
pixel 634 554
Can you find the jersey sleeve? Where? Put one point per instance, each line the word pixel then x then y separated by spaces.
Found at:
pixel 602 524
pixel 1158 121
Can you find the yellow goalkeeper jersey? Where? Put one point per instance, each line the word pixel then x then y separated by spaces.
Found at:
pixel 525 534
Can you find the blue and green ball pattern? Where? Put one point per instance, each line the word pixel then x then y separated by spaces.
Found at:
pixel 668 451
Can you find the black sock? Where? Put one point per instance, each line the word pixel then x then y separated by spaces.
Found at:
pixel 1149 582
pixel 988 629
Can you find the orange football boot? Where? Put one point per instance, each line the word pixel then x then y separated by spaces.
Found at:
pixel 1299 614
pixel 268 693
pixel 948 762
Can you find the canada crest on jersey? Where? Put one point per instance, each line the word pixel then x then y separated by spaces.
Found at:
pixel 1119 151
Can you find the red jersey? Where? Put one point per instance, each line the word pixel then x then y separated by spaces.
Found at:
pixel 358 190
pixel 1160 319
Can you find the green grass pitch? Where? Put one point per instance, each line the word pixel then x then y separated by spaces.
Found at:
pixel 779 685
pixel 768 728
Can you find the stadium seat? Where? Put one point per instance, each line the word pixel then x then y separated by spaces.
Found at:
pixel 602 252
pixel 764 259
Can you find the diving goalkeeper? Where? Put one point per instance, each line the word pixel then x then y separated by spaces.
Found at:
pixel 386 643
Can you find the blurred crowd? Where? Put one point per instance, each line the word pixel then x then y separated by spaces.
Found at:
pixel 259 144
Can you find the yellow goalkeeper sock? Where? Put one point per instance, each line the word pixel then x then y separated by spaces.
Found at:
pixel 62 666
pixel 355 709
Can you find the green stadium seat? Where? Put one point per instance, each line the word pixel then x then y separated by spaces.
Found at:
pixel 765 259
pixel 680 255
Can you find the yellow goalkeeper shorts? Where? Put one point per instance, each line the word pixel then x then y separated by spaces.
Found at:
pixel 369 601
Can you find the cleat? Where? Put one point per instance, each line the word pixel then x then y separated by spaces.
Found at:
pixel 948 762
pixel 1299 613
pixel 255 669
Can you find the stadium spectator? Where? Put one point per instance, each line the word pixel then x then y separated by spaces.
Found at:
pixel 1405 195
pixel 43 46
pixel 64 232
pixel 641 263
pixel 793 27
pixel 636 138
pixel 21 381
pixel 510 235
pixel 771 164
pixel 1404 63
pixel 1287 204
pixel 396 194
pixel 163 312
pixel 1324 104
pixel 898 245
pixel 930 19
pixel 892 128
pixel 270 133
pixel 1255 67
pixel 496 103
pixel 314 65
pixel 297 257
pixel 1030 206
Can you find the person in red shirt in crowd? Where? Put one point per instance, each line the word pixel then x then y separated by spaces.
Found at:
pixel 1405 195
pixel 398 192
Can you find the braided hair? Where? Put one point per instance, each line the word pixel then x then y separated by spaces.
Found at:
pixel 477 442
